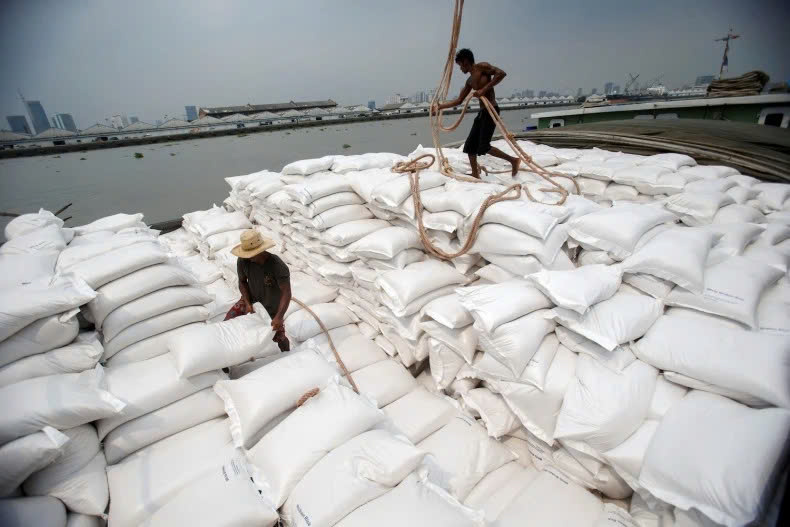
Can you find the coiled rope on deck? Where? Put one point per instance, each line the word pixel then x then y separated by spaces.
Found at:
pixel 413 167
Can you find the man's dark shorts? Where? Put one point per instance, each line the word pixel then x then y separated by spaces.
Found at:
pixel 479 141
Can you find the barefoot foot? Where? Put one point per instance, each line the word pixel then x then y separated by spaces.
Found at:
pixel 516 164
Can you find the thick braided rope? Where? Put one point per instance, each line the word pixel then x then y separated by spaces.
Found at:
pixel 331 345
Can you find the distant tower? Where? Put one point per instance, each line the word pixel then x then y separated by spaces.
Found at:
pixel 725 61
pixel 372 105
pixel 64 121
pixel 18 124
pixel 191 112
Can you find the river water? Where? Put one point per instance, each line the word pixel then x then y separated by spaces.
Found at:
pixel 174 178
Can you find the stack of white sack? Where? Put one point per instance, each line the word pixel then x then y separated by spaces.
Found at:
pixel 247 190
pixel 577 325
pixel 215 229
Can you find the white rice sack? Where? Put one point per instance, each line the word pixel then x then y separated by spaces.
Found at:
pixel 305 167
pixel 23 305
pixel 365 467
pixel 695 384
pixel 287 452
pixel 420 413
pixel 451 446
pixel 224 297
pixel 399 261
pixel 495 491
pixel 227 483
pixel 773 196
pixel 617 230
pixel 639 175
pixel 217 223
pixel 327 203
pixel 38 510
pixel 692 173
pixel 733 239
pixel 162 386
pixel 213 346
pixel 22 457
pixel 21 269
pixel 301 325
pixel 580 288
pixel 82 398
pixel 773 256
pixel 395 191
pixel 711 185
pixel 351 231
pixel 499 239
pixel 46 239
pixel 311 190
pixel 150 305
pixel 256 399
pixel 216 242
pixel 462 341
pixel 649 284
pixel 356 352
pixel 448 311
pixel 515 343
pixel 669 160
pixel 602 408
pixel 84 491
pixel 264 187
pixel 616 360
pixel 445 221
pixel 684 341
pixel 135 285
pixel 742 194
pixel 627 458
pixel 773 313
pixel 675 254
pixel 119 262
pixel 30 222
pixel 340 215
pixel 417 279
pixel 666 395
pixel 176 417
pixel 727 472
pixel 698 208
pixel 444 363
pixel 384 244
pixel 147 348
pixel 76 253
pixel 494 305
pixel 154 326
pixel 205 272
pixel 732 289
pixel 113 223
pixel 620 319
pixel 494 412
pixel 384 382
pixel 738 214
pixel 76 357
pixel 145 481
pixel 552 499
pixel 530 218
pixel 43 335
pixel 417 502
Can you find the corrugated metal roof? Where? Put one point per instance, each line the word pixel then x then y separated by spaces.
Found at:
pixel 53 132
pixel 292 113
pixel 99 129
pixel 265 115
pixel 173 123
pixel 236 117
pixel 206 120
pixel 8 135
pixel 139 125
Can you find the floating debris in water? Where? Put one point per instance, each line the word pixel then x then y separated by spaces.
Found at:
pixel 172 153
pixel 138 155
pixel 83 158
pixel 414 133
pixel 346 145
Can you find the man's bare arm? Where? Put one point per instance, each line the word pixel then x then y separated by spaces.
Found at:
pixel 282 307
pixel 495 73
pixel 244 288
pixel 464 92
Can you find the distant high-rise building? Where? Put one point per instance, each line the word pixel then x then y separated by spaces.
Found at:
pixel 607 88
pixel 133 119
pixel 64 121
pixel 37 116
pixel 579 92
pixel 529 93
pixel 542 93
pixel 158 122
pixel 18 124
pixel 116 122
pixel 616 88
pixel 703 79
pixel 124 120
pixel 595 91
pixel 191 112
pixel 372 105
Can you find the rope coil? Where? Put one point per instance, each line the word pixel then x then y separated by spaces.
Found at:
pixel 413 167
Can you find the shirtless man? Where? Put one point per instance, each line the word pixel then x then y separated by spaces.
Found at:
pixel 483 77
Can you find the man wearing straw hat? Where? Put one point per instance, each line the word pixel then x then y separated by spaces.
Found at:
pixel 264 278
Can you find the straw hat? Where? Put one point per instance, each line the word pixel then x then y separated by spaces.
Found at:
pixel 252 243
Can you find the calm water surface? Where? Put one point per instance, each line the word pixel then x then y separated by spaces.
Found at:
pixel 182 176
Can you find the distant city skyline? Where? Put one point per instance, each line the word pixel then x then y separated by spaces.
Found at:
pixel 223 58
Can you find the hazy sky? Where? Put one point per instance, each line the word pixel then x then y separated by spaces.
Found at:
pixel 95 58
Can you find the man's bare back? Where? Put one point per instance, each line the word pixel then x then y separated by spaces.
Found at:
pixel 482 79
